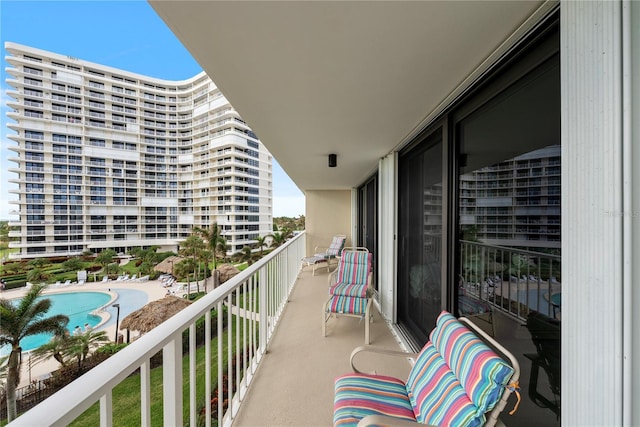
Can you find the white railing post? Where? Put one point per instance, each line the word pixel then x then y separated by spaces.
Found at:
pixel 192 375
pixel 264 311
pixel 106 420
pixel 145 395
pixel 172 381
pixel 207 368
pixel 269 281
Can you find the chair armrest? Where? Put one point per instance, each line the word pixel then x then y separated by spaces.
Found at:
pixel 377 350
pixel 383 420
pixel 321 249
pixel 332 278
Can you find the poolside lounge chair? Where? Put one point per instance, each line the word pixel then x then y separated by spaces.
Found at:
pixel 350 289
pixel 105 279
pixel 461 377
pixel 470 305
pixel 324 255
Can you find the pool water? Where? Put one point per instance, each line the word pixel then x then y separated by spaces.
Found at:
pixel 536 300
pixel 76 305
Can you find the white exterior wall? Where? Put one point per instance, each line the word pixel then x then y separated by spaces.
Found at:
pixel 600 234
pixel 631 11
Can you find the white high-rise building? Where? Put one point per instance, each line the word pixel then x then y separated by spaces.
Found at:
pixel 106 158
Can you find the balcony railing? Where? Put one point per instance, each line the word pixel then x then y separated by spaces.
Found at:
pixel 512 280
pixel 271 279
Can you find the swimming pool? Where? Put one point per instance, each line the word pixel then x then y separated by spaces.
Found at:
pixel 77 305
pixel 537 301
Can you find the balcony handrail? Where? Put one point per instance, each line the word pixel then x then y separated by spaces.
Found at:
pixel 273 277
pixel 489 274
pixel 520 251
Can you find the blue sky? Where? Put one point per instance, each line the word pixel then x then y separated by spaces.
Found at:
pixel 123 34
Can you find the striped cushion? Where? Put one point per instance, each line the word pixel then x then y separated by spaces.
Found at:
pixel 336 245
pixel 347 305
pixel 348 290
pixel 436 394
pixel 482 374
pixel 359 395
pixel 354 267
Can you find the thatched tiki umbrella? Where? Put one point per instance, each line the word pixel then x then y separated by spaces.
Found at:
pixel 166 266
pixel 153 314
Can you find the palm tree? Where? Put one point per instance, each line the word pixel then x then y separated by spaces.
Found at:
pixel 260 240
pixel 213 238
pixel 193 247
pixel 222 246
pixel 105 258
pixel 3 368
pixel 80 345
pixel 184 269
pixel 37 275
pixel 278 238
pixel 25 319
pixel 247 255
pixel 54 348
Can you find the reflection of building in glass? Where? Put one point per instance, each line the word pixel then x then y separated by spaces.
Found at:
pixel 515 202
pixel 432 227
pixel 111 159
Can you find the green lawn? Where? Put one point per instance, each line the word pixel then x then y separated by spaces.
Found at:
pixel 126 395
pixel 7 251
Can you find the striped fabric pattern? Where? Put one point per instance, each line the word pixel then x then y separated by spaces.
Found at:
pixel 359 395
pixel 336 246
pixel 354 267
pixel 347 305
pixel 350 290
pixel 436 394
pixel 482 373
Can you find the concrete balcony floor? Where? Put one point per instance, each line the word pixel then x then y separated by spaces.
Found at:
pixel 294 385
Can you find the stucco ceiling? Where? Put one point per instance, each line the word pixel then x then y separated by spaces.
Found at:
pixel 351 78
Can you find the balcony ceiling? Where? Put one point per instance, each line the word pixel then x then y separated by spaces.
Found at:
pixel 351 78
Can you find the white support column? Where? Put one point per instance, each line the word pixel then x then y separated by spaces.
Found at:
pixel 593 211
pixel 631 49
pixel 386 233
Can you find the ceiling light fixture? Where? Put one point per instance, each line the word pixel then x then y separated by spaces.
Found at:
pixel 333 160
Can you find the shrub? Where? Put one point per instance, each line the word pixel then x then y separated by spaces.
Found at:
pixel 111 348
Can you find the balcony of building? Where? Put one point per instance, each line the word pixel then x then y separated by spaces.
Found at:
pixel 287 369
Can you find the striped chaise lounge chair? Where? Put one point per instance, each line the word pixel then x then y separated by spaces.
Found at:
pixel 324 255
pixel 350 289
pixel 457 380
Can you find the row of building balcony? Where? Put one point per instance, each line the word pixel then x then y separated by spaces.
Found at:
pixel 161 103
pixel 517 202
pixel 200 144
pixel 77 114
pixel 510 184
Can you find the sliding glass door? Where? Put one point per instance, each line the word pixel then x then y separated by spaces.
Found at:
pixel 368 220
pixel 420 232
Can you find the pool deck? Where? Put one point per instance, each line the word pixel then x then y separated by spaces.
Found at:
pixel 153 289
